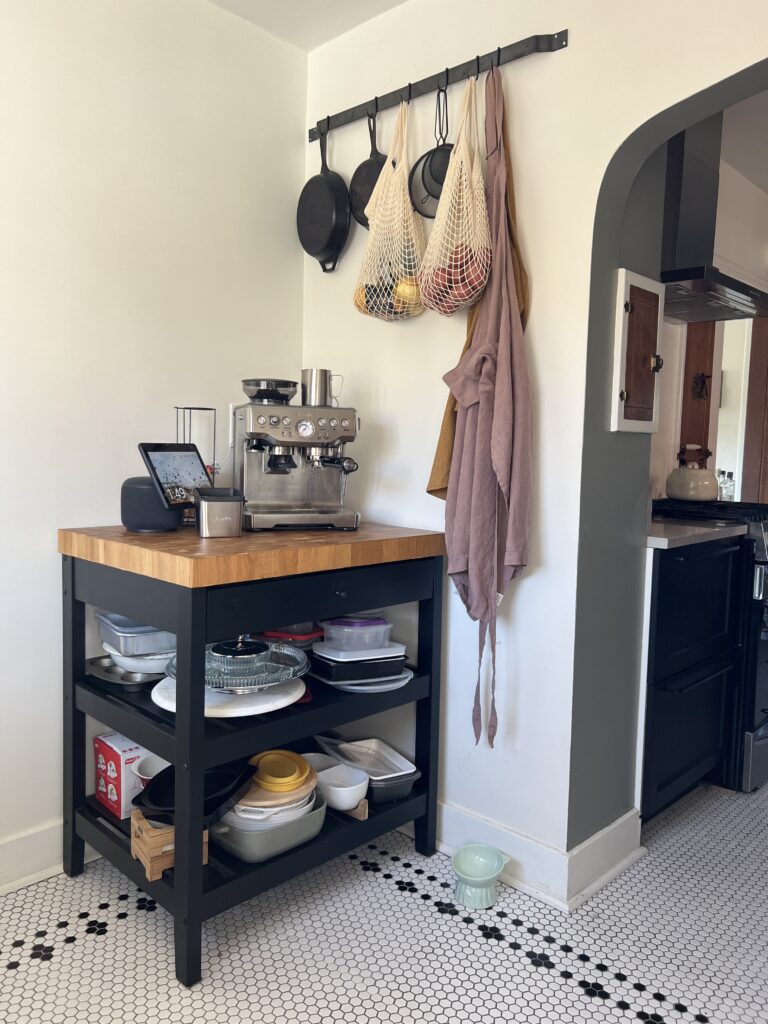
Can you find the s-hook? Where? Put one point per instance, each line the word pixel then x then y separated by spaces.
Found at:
pixel 498 57
pixel 477 67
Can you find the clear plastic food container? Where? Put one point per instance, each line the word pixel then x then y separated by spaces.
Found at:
pixel 357 632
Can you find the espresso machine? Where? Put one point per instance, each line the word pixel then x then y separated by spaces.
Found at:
pixel 289 459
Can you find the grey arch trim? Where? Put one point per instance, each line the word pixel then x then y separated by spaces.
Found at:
pixel 614 504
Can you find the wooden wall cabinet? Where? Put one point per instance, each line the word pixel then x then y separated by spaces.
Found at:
pixel 636 362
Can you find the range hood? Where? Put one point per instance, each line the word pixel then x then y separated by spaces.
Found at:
pixel 696 290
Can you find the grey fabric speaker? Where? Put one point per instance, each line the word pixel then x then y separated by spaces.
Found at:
pixel 142 510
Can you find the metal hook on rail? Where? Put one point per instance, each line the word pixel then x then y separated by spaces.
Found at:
pixel 477 67
pixel 498 56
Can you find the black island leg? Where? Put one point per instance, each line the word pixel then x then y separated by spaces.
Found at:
pixel 190 730
pixel 428 710
pixel 74 721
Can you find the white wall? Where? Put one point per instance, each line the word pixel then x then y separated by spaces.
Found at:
pixel 741 231
pixel 148 181
pixel 568 113
pixel 151 163
pixel 737 337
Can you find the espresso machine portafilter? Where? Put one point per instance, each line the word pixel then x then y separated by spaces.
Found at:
pixel 290 460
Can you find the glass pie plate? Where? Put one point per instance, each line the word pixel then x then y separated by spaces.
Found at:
pixel 243 675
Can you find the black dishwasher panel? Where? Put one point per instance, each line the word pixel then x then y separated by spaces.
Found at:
pixel 698 604
pixel 687 727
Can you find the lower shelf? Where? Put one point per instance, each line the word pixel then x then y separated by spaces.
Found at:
pixel 228 881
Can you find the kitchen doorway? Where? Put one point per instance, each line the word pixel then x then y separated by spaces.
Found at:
pixel 616 491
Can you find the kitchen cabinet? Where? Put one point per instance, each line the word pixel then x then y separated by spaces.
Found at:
pixel 689 717
pixel 698 604
pixel 699 612
pixel 636 363
pixel 207 591
pixel 695 412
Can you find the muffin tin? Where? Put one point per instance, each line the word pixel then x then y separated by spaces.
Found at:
pixel 105 669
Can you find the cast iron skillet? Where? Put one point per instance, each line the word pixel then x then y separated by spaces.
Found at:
pixel 222 788
pixel 322 217
pixel 365 177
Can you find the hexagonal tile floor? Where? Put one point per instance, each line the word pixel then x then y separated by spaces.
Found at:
pixel 376 937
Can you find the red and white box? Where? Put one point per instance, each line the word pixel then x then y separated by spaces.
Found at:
pixel 116 784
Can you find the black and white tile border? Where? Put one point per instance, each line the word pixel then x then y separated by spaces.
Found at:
pixel 377 936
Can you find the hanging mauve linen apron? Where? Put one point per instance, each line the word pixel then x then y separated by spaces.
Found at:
pixel 487 515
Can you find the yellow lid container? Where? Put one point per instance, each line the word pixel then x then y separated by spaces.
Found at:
pixel 279 771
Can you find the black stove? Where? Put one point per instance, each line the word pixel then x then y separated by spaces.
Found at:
pixel 723 511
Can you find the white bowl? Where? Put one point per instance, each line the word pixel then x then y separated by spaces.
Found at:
pixel 147 767
pixel 342 786
pixel 151 663
pixel 320 761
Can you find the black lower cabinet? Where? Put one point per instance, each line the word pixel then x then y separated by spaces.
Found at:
pixel 687 728
pixel 701 603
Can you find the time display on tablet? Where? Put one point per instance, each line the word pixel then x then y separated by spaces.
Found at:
pixel 178 471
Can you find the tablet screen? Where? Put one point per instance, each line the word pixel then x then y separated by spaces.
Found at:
pixel 179 473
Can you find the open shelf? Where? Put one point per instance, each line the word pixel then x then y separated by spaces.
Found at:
pixel 228 881
pixel 111 837
pixel 135 715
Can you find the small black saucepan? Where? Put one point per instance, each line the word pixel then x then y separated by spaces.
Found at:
pixel 365 177
pixel 425 182
pixel 322 217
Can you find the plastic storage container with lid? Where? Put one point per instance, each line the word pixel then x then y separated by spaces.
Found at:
pixel 357 632
pixel 280 771
pixel 130 637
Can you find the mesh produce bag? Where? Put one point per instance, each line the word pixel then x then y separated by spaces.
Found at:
pixel 457 262
pixel 387 285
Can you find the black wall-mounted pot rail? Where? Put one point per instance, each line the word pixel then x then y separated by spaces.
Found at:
pixel 475 66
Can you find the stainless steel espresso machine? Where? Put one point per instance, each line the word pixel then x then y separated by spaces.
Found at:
pixel 289 459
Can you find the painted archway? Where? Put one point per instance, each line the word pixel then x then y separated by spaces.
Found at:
pixel 614 503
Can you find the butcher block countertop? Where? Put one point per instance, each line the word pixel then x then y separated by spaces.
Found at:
pixel 187 560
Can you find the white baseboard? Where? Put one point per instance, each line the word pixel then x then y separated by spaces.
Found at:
pixel 599 859
pixel 33 855
pixel 561 879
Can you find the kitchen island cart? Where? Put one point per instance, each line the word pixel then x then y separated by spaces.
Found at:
pixel 206 591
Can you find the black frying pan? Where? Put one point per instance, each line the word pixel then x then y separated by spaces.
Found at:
pixel 365 177
pixel 222 788
pixel 322 217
